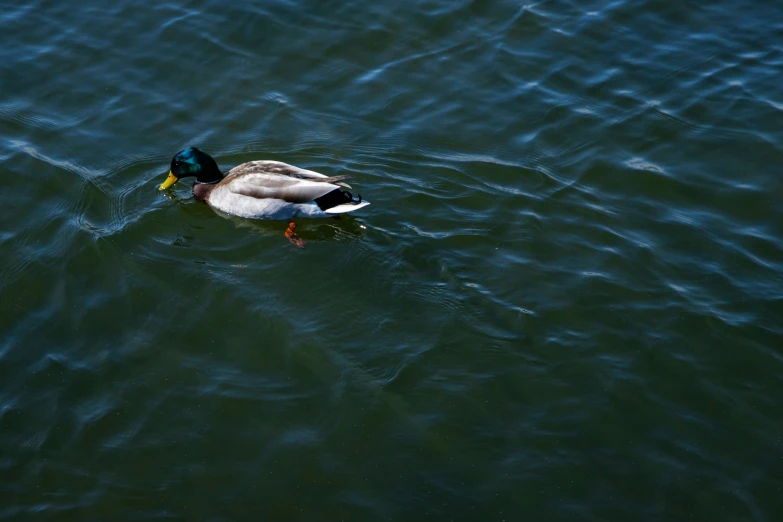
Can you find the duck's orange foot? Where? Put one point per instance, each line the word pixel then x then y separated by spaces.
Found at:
pixel 292 237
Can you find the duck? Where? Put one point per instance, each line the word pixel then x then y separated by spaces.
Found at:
pixel 263 189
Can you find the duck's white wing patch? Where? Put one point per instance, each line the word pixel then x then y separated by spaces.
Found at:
pixel 274 186
pixel 346 207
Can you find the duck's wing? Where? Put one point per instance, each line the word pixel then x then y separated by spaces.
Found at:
pixel 284 169
pixel 277 186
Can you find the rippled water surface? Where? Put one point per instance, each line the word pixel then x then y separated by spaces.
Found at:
pixel 564 303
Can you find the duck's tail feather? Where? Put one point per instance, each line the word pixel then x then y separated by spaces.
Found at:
pixel 347 207
pixel 340 201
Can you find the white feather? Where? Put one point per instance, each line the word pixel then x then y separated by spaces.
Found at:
pixel 346 207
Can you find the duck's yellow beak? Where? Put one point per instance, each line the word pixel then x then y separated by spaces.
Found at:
pixel 169 181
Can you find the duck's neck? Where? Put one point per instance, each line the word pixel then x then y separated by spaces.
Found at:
pixel 201 189
pixel 208 177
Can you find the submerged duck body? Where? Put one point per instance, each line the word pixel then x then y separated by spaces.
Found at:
pixel 263 189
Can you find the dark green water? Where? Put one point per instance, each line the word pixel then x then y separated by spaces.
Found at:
pixel 565 302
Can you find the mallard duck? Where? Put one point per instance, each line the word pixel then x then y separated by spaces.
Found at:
pixel 263 189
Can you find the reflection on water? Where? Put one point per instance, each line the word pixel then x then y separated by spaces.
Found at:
pixel 343 229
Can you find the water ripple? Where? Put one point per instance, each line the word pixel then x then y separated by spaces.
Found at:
pixel 563 302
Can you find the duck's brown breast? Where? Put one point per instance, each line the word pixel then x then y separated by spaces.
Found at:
pixel 201 191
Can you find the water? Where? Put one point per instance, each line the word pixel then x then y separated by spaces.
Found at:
pixel 565 302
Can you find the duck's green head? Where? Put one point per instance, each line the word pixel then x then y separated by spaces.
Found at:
pixel 192 162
